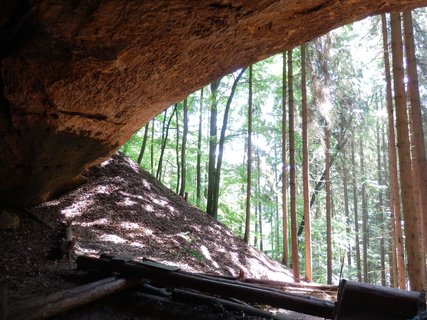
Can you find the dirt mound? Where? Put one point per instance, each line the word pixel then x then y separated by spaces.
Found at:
pixel 122 210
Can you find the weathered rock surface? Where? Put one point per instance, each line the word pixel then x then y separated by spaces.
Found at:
pixel 78 77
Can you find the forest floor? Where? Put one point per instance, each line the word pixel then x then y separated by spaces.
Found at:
pixel 122 210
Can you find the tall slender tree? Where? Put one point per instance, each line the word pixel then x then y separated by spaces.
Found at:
pixel 328 207
pixel 218 167
pixel 416 264
pixel 177 153
pixel 284 165
pixel 153 125
pixel 380 205
pixel 417 131
pixel 295 262
pixel 184 148
pixel 212 145
pixel 355 211
pixel 249 161
pixel 144 143
pixel 164 141
pixel 305 169
pixel 365 237
pixel 392 162
pixel 199 153
pixel 162 146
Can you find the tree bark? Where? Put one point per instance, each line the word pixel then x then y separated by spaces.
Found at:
pixel 391 223
pixel 328 208
pixel 380 206
pixel 249 164
pixel 392 163
pixel 212 145
pixel 419 163
pixel 260 235
pixel 144 143
pixel 178 162
pixel 355 212
pixel 284 164
pixel 184 148
pixel 218 167
pixel 162 147
pixel 346 206
pixel 199 153
pixel 305 168
pixel 295 262
pixel 152 146
pixel 364 215
pixel 413 249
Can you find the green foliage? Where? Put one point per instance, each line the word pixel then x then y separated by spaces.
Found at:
pixel 356 107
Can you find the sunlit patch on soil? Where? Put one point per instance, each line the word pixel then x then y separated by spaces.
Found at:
pixel 124 211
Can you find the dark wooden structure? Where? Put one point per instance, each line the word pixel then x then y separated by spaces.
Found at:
pixel 365 301
pixel 172 286
pixel 163 276
pixel 62 301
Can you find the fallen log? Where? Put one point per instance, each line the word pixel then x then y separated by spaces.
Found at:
pixel 283 284
pixel 59 302
pixel 366 301
pixel 167 277
pixel 192 297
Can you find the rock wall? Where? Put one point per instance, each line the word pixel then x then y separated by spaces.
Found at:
pixel 78 77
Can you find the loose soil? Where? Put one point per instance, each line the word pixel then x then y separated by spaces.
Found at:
pixel 122 210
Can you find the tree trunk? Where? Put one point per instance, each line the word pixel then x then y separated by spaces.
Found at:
pixel 413 249
pixel 380 206
pixel 199 153
pixel 356 214
pixel 295 262
pixel 328 208
pixel 364 215
pixel 218 168
pixel 152 147
pixel 276 197
pixel 346 206
pixel 178 162
pixel 284 164
pixel 164 141
pixel 249 166
pixel 417 132
pixel 256 226
pixel 261 244
pixel 144 143
pixel 305 169
pixel 162 147
pixel 183 148
pixel 392 163
pixel 392 230
pixel 321 181
pixel 212 145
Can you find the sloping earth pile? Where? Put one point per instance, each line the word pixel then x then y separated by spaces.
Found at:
pixel 123 210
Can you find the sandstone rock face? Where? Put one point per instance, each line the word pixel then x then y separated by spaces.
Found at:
pixel 78 77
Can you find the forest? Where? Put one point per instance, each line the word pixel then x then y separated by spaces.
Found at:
pixel 315 156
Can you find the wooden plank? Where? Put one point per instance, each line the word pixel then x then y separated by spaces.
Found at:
pixel 225 288
pixel 59 302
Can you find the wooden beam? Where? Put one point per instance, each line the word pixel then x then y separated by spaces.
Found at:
pixel 59 302
pixel 225 288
